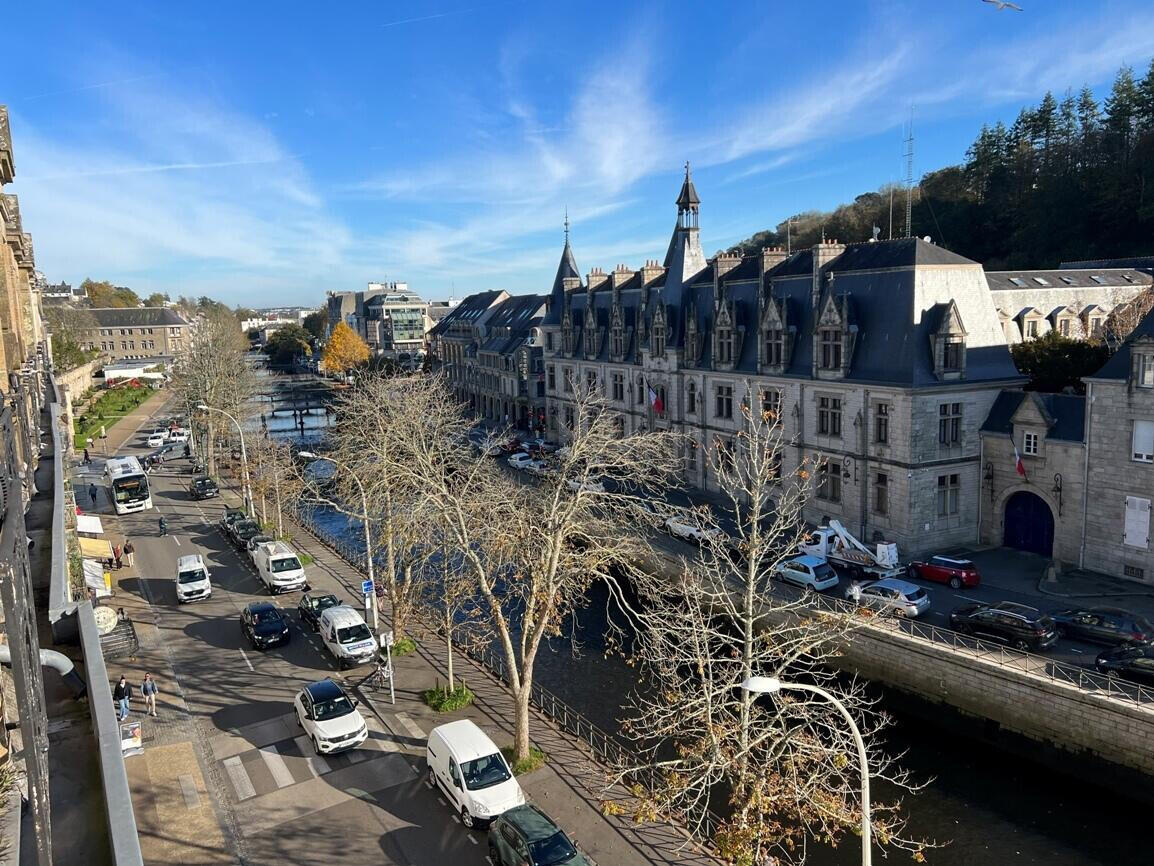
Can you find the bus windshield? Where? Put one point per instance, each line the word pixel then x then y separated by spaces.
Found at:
pixel 131 488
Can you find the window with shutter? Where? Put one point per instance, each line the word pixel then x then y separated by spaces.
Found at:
pixel 1137 528
pixel 1143 442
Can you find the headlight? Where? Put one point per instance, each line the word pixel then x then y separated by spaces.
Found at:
pixel 285 630
pixel 481 809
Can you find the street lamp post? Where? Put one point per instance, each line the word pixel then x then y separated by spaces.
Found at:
pixel 771 686
pixel 243 455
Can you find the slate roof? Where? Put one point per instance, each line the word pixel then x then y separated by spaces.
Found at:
pixel 1142 262
pixel 1118 367
pixel 136 317
pixel 899 253
pixel 468 311
pixel 566 268
pixel 511 322
pixel 1068 278
pixel 1067 410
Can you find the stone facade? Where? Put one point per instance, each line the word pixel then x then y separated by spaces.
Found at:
pixel 20 325
pixel 137 333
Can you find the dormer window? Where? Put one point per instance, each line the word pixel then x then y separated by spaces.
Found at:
pixel 724 346
pixel 617 338
pixel 774 347
pixel 952 349
pixel 948 344
pixel 829 340
pixel 567 335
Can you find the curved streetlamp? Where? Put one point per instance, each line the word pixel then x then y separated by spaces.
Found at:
pixel 773 685
pixel 243 455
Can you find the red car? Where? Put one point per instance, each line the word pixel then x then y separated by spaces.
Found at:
pixel 943 569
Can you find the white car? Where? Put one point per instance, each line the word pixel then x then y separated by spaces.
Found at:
pixel 538 467
pixel 155 439
pixel 890 595
pixel 588 486
pixel 329 717
pixel 809 572
pixel 685 528
pixel 520 460
pixel 178 435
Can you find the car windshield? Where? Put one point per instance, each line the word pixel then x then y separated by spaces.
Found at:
pixel 244 527
pixel 353 633
pixel 324 601
pixel 264 617
pixel 485 772
pixel 334 709
pixel 194 576
pixel 556 849
pixel 823 571
pixel 289 563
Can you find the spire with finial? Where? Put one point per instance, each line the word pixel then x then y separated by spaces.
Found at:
pixel 566 225
pixel 688 201
pixel 567 274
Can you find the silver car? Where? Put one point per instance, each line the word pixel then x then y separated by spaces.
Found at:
pixel 890 595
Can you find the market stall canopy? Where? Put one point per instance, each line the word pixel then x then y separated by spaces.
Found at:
pixel 89 524
pixel 95 548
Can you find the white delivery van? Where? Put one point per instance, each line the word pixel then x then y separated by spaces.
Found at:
pixel 471 772
pixel 278 567
pixel 193 582
pixel 346 636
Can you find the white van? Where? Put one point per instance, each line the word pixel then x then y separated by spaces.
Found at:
pixel 471 772
pixel 278 567
pixel 346 636
pixel 193 582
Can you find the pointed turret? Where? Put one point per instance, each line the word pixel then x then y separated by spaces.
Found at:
pixel 684 259
pixel 566 273
pixel 688 200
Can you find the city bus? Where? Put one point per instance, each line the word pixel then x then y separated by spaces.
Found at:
pixel 127 485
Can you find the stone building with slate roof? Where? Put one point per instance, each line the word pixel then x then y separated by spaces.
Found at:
pixel 137 333
pixel 883 359
pixel 20 327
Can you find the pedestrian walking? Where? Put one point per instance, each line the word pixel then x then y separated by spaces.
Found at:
pixel 187 450
pixel 87 459
pixel 116 553
pixel 148 689
pixel 122 694
pixel 92 493
pixel 129 552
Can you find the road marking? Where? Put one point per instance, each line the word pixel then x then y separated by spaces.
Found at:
pixel 472 838
pixel 244 656
pixel 318 766
pixel 188 788
pixel 412 727
pixel 1074 650
pixel 974 600
pixel 277 766
pixel 241 783
pixel 177 540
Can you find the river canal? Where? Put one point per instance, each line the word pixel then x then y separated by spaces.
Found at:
pixel 989 802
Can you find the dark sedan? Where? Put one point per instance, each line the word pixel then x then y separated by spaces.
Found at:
pixel 312 605
pixel 242 531
pixel 264 625
pixel 231 516
pixel 1134 662
pixel 1020 626
pixel 1104 625
pixel 203 488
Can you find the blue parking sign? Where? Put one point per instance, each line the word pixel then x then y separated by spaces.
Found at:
pixel 367 587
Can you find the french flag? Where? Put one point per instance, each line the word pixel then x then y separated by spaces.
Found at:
pixel 1019 466
pixel 655 401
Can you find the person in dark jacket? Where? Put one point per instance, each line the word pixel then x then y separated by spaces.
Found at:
pixel 122 694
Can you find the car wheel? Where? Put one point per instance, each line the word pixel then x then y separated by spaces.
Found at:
pixel 955 583
pixel 466 818
pixel 316 746
pixel 300 724
pixel 1022 645
pixel 912 572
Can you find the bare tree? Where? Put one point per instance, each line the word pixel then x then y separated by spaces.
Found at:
pixel 780 771
pixel 1125 318
pixel 214 371
pixel 276 485
pixel 531 548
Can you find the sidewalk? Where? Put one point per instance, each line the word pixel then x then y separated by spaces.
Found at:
pixel 570 787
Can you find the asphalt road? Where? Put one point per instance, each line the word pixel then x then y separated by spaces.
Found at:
pixel 281 803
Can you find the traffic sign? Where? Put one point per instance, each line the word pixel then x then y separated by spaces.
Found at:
pixel 367 587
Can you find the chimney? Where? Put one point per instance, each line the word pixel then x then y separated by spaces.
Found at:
pixel 570 284
pixel 725 262
pixel 596 279
pixel 771 256
pixel 823 253
pixel 620 275
pixel 652 271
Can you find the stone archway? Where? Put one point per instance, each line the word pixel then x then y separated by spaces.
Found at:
pixel 1028 524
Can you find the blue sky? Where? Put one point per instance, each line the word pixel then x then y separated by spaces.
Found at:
pixel 263 153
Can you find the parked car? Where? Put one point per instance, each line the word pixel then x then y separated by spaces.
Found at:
pixel 685 527
pixel 471 772
pixel 890 595
pixel 1133 662
pixel 1019 625
pixel 242 530
pixel 520 460
pixel 193 581
pixel 807 571
pixel 538 467
pixel 264 625
pixel 346 636
pixel 957 573
pixel 312 605
pixel 526 836
pixel 231 516
pixel 178 434
pixel 253 543
pixel 329 717
pixel 278 567
pixel 1106 625
pixel 203 488
pixel 155 439
pixel 590 486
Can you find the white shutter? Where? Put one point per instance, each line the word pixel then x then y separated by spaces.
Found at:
pixel 1143 441
pixel 1137 529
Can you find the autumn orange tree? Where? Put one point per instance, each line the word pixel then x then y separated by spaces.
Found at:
pixel 345 350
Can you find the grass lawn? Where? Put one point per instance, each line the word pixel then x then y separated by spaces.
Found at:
pixel 106 410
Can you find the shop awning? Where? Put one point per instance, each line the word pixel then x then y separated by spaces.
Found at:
pixel 89 524
pixel 95 548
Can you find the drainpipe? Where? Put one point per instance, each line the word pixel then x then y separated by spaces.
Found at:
pixel 1086 473
pixel 864 429
pixel 981 480
pixel 59 663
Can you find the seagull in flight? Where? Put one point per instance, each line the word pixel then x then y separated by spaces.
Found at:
pixel 1004 4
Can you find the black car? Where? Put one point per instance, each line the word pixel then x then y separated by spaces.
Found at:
pixel 264 625
pixel 1019 625
pixel 312 605
pixel 243 530
pixel 203 488
pixel 1132 662
pixel 1104 625
pixel 526 836
pixel 231 516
